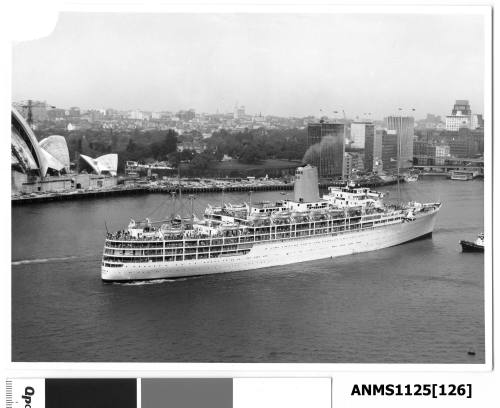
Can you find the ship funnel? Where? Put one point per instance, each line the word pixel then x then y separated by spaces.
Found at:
pixel 306 184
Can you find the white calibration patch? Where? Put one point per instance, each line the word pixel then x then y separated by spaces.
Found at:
pixel 25 393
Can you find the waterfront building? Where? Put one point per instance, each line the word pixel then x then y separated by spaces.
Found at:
pixel 326 143
pixel 353 163
pixel 405 130
pixel 56 146
pixel 389 149
pixel 420 148
pixel 348 164
pixel 467 143
pixel 317 131
pixel 106 164
pixel 44 166
pixel 359 132
pixel 373 150
pixel 441 153
pixel 423 152
pixel 28 156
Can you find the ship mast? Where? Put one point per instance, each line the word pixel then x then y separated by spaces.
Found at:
pixel 180 190
pixel 191 198
pixel 399 152
pixel 250 202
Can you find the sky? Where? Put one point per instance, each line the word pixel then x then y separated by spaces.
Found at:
pixel 274 64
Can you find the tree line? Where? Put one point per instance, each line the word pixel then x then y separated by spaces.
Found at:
pixel 246 146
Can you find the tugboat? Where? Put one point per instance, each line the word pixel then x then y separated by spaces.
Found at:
pixel 476 246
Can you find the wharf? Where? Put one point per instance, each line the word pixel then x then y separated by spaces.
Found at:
pixel 146 189
pixel 165 189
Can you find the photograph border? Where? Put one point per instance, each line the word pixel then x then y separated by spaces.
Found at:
pixel 128 369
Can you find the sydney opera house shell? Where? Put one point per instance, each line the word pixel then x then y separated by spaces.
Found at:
pixel 106 164
pixel 28 156
pixel 45 165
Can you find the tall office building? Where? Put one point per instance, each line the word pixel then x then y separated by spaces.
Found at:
pixel 389 149
pixel 405 130
pixel 373 150
pixel 461 107
pixel 359 132
pixel 326 142
pixel 462 117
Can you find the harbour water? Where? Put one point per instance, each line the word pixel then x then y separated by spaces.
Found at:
pixel 421 302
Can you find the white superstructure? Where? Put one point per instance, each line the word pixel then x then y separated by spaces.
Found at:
pixel 230 238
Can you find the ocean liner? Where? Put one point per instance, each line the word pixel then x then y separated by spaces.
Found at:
pixel 235 237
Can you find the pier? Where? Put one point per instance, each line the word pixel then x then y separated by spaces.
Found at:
pixel 122 190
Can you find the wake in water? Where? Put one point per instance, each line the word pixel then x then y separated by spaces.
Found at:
pixel 143 283
pixel 44 260
pixel 155 281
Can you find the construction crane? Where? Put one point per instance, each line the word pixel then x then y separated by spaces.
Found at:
pixel 29 105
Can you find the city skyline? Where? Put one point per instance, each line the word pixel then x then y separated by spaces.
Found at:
pixel 211 62
pixel 331 116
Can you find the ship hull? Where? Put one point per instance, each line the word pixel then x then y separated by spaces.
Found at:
pixel 468 246
pixel 279 252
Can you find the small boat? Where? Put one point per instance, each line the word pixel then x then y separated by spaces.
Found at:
pixel 411 178
pixel 476 246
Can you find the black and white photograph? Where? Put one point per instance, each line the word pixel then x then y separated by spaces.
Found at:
pixel 258 187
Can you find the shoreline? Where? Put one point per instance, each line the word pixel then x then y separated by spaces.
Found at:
pixel 134 190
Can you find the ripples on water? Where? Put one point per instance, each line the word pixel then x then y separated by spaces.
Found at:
pixel 421 302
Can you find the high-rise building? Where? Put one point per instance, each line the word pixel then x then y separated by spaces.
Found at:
pixel 353 163
pixel 405 130
pixel 461 107
pixel 373 149
pixel 467 143
pixel 329 141
pixel 462 117
pixel 359 132
pixel 348 164
pixel 456 122
pixel 389 149
pixel 476 121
